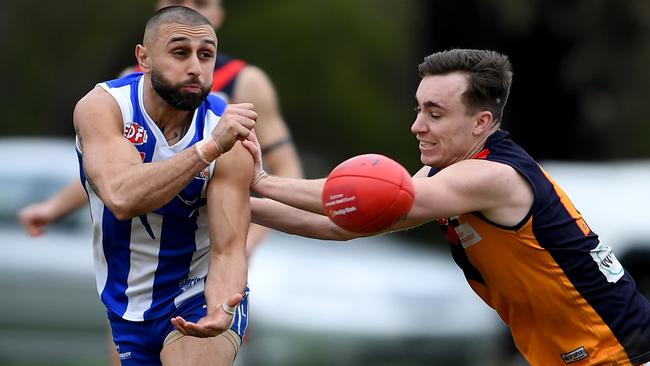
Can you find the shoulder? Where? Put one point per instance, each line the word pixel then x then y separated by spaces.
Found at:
pixel 98 97
pixel 96 105
pixel 253 85
pixel 253 74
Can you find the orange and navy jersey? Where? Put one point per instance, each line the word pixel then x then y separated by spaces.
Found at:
pixel 226 70
pixel 564 295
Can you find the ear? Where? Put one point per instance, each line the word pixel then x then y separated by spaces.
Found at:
pixel 483 121
pixel 142 55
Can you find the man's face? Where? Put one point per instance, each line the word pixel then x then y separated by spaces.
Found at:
pixel 443 126
pixel 210 9
pixel 182 63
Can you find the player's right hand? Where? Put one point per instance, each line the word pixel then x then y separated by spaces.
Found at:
pixel 235 124
pixel 34 218
pixel 216 321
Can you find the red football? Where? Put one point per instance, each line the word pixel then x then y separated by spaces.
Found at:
pixel 367 193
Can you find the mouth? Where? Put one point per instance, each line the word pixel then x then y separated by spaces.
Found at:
pixel 192 88
pixel 424 145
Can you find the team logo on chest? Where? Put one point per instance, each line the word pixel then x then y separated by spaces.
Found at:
pixel 135 133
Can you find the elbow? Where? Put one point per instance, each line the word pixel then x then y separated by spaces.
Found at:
pixel 122 208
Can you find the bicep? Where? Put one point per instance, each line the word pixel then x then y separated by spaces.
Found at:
pixel 468 186
pixel 98 124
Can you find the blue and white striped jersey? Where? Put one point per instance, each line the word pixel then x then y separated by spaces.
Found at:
pixel 148 265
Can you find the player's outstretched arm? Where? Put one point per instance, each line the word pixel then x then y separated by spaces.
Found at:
pixel 114 168
pixel 229 217
pixel 494 189
pixel 37 216
pixel 291 220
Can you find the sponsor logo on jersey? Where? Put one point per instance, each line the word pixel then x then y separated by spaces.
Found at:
pixel 123 355
pixel 203 174
pixel 467 235
pixel 135 133
pixel 575 355
pixel 186 283
pixel 608 264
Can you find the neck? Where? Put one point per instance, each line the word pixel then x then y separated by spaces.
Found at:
pixel 480 143
pixel 171 121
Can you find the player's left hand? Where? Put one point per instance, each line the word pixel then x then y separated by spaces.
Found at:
pixel 217 320
pixel 35 218
pixel 253 146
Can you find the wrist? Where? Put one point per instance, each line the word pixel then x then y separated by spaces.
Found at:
pixel 221 308
pixel 260 177
pixel 208 150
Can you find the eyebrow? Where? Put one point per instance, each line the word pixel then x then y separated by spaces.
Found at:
pixel 430 104
pixel 186 39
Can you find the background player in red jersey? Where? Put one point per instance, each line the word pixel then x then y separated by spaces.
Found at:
pixel 521 244
pixel 235 81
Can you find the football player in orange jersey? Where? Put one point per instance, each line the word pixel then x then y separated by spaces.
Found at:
pixel 522 245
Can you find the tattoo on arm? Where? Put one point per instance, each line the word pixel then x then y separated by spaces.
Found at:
pixel 90 181
pixel 81 141
pixel 83 165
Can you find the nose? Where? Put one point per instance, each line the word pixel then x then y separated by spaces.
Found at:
pixel 194 66
pixel 418 125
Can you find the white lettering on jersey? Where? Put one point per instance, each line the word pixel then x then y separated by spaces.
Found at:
pixel 467 235
pixel 575 355
pixel 607 263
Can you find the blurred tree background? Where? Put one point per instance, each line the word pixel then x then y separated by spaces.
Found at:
pixel 346 72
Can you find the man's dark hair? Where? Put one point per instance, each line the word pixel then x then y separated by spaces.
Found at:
pixel 173 14
pixel 489 76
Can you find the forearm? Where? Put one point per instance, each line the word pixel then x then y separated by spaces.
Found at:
pixel 291 220
pixel 132 191
pixel 226 276
pixel 68 199
pixel 229 217
pixel 304 194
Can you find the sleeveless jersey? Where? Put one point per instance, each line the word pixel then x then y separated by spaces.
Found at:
pixel 564 295
pixel 224 77
pixel 148 265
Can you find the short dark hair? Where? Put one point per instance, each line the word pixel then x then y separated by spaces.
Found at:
pixel 489 76
pixel 174 14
